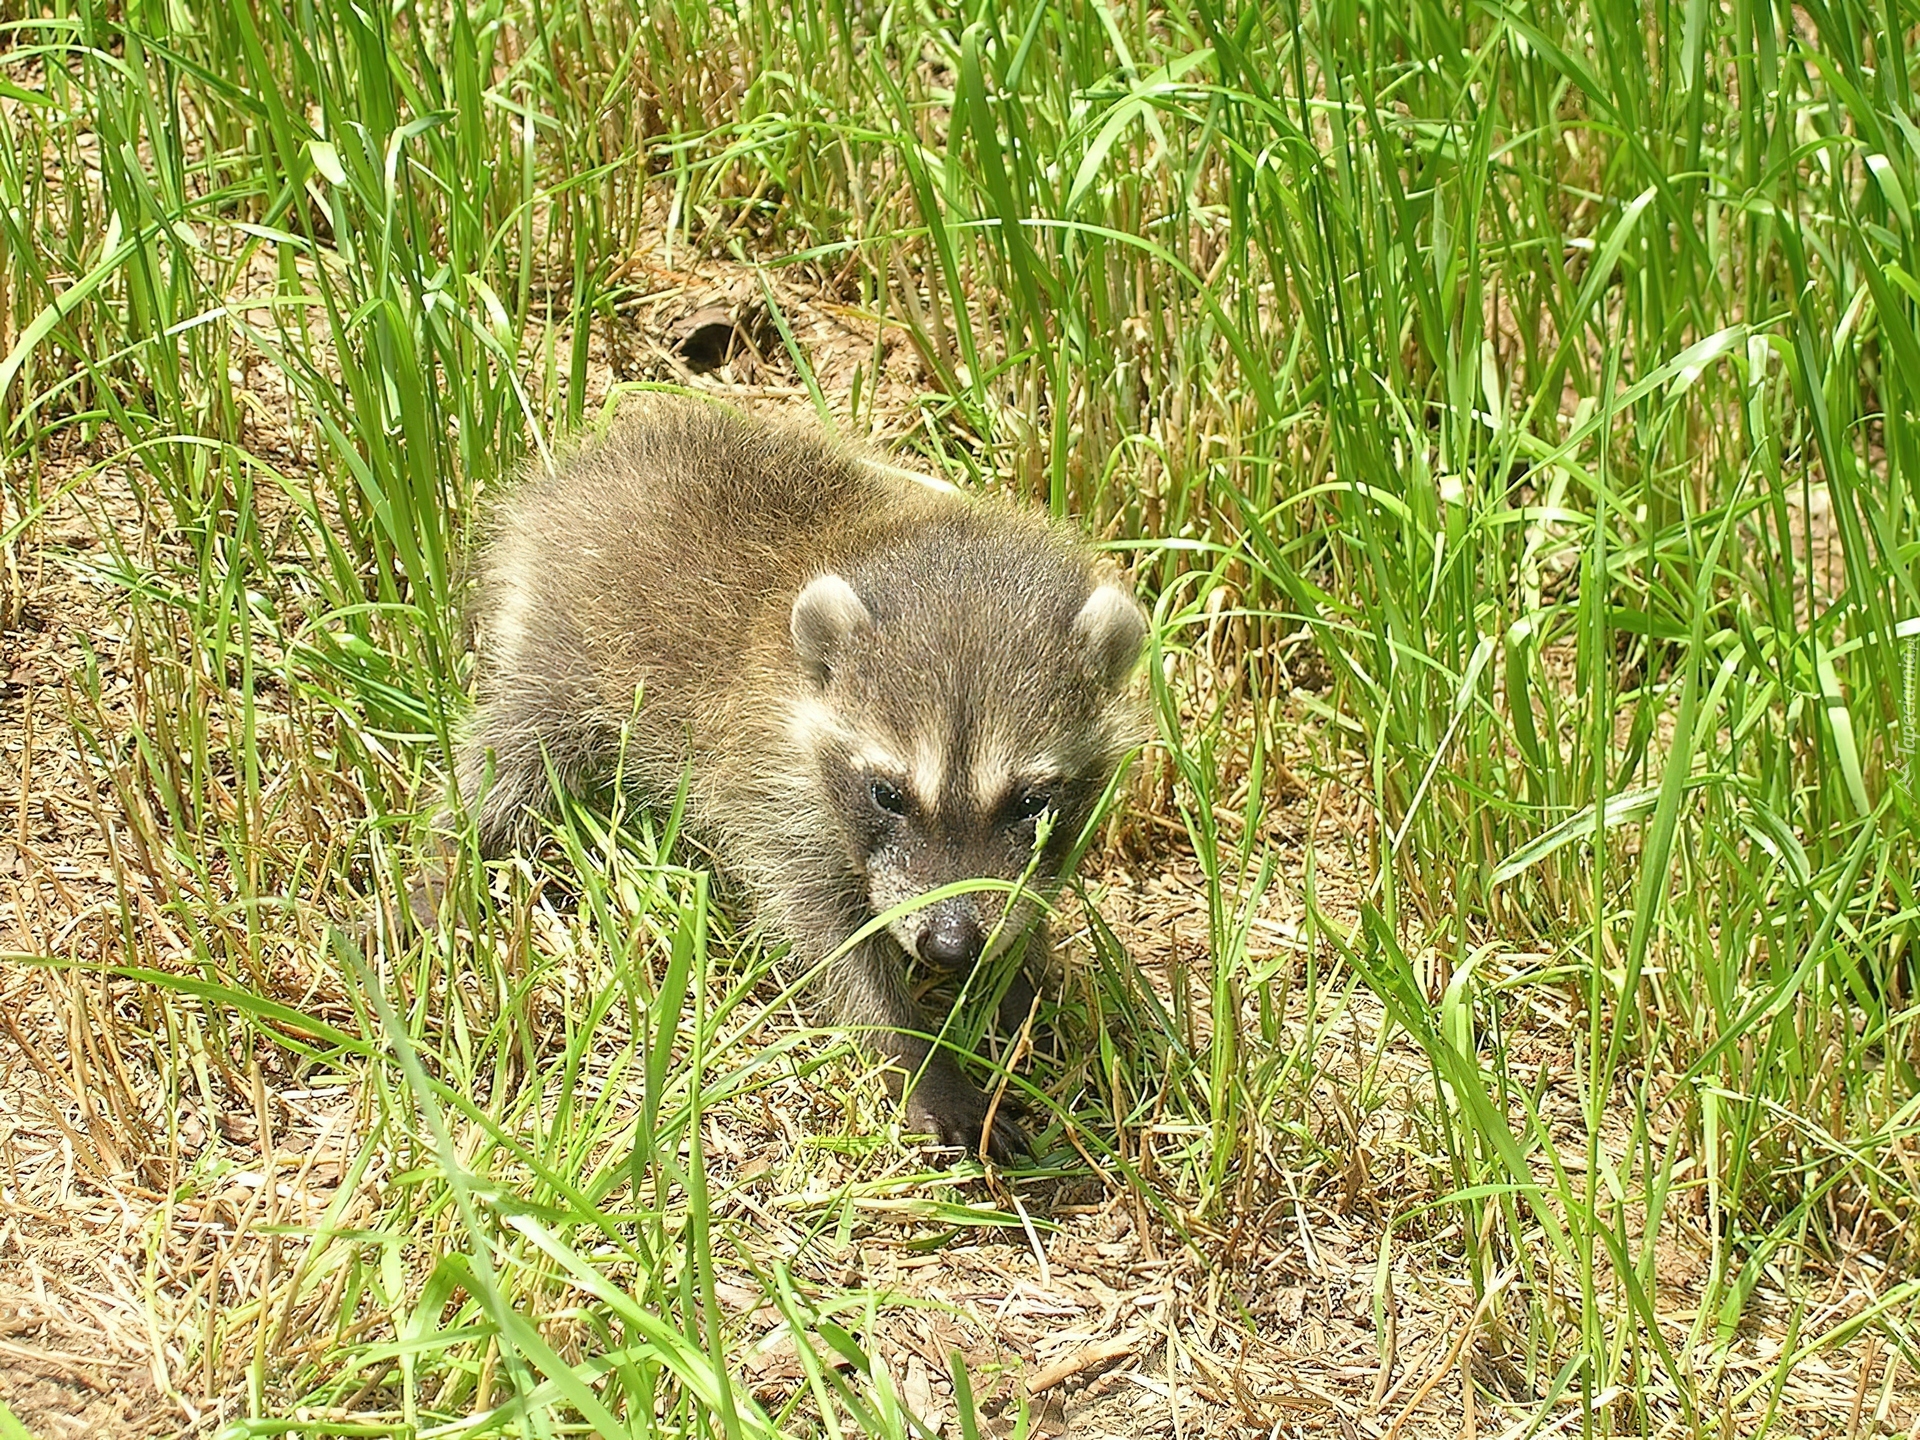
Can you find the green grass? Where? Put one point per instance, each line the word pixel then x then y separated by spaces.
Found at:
pixel 1512 414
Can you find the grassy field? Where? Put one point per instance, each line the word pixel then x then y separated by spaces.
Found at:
pixel 1495 1012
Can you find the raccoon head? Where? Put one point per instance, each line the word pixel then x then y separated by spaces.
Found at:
pixel 964 718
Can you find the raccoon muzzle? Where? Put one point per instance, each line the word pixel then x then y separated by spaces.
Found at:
pixel 949 939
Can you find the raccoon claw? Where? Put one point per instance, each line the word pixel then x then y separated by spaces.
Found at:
pixel 1008 1141
pixel 954 1113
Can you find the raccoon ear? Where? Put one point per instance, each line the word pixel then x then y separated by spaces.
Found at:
pixel 1113 627
pixel 826 614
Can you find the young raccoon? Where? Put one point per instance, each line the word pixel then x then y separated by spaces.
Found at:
pixel 875 685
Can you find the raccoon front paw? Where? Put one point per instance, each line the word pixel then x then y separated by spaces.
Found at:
pixel 950 1108
pixel 431 882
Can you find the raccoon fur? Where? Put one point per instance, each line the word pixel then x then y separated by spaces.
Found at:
pixel 872 685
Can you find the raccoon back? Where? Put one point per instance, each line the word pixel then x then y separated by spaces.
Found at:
pixel 659 563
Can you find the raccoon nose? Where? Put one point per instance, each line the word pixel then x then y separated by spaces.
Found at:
pixel 951 942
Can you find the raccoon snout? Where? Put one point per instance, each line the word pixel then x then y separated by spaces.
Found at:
pixel 950 941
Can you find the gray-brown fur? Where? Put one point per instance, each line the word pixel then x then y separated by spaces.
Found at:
pixel 815 638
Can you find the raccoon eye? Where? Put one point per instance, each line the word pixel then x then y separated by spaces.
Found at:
pixel 888 798
pixel 1031 804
